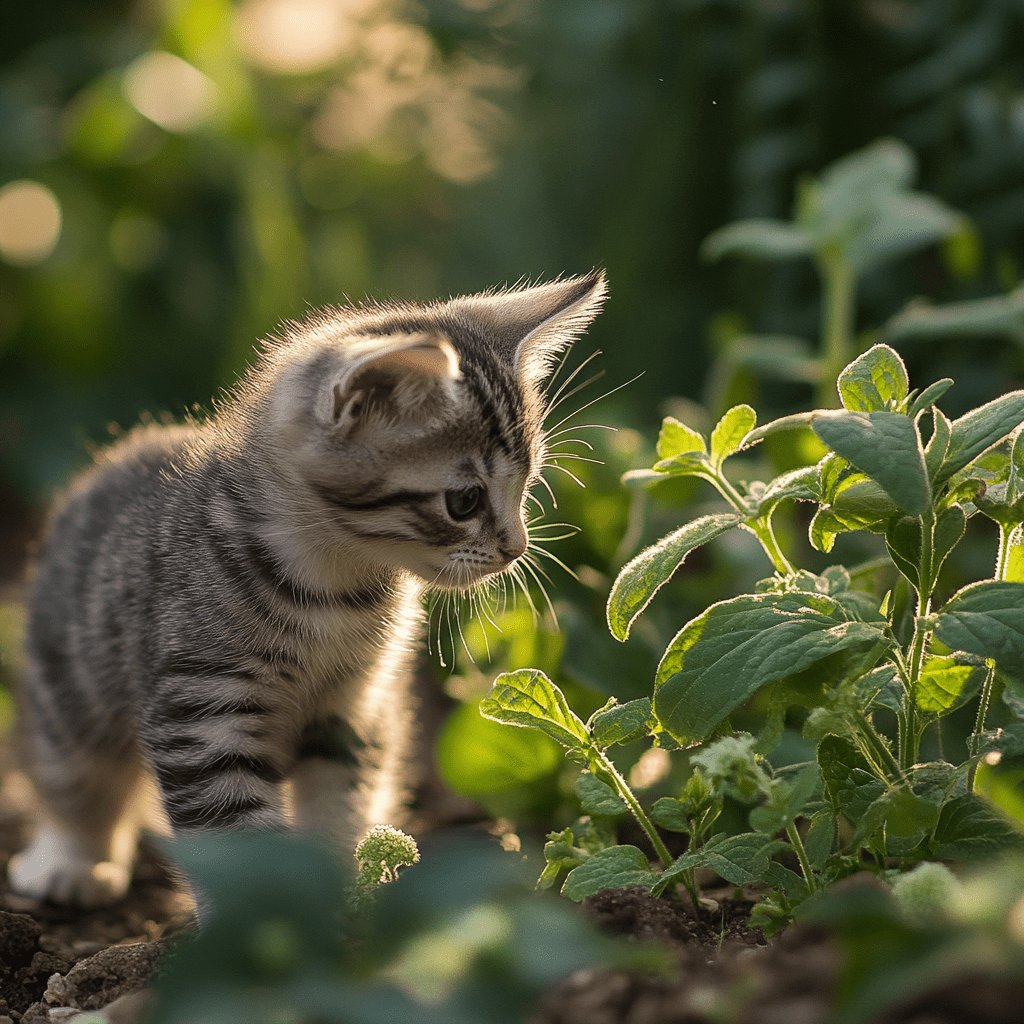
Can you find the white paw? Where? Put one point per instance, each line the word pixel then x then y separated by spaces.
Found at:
pixel 50 870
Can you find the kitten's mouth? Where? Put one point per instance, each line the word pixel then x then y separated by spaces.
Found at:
pixel 460 575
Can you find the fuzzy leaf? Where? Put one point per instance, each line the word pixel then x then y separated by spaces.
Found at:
pixel 885 446
pixel 929 396
pixel 849 782
pixel 528 698
pixel 677 438
pixel 728 435
pixel 613 868
pixel 969 828
pixel 979 430
pixel 735 647
pixel 945 685
pixel 622 723
pixel 644 576
pixel 874 381
pixel 596 797
pixel 986 619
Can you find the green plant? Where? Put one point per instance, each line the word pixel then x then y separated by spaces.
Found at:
pixel 858 215
pixel 460 939
pixel 814 645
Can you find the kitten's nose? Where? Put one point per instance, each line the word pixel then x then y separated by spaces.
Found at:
pixel 513 543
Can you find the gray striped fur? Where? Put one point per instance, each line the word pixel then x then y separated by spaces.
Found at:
pixel 224 613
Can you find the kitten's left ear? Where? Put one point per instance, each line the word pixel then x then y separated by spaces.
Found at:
pixel 401 372
pixel 534 325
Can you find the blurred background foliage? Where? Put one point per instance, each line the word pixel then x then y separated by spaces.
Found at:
pixel 179 176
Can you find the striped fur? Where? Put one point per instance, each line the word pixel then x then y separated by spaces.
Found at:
pixel 224 613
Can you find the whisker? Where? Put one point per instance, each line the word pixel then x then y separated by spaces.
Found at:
pixel 532 571
pixel 558 395
pixel 567 472
pixel 547 487
pixel 554 558
pixel 549 459
pixel 549 434
pixel 574 440
pixel 575 391
pixel 599 398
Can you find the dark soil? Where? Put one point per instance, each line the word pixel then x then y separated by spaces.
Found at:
pixel 54 963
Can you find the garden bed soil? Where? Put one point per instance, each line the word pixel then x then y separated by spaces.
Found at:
pixel 55 964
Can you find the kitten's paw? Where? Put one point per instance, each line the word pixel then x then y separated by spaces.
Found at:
pixel 48 870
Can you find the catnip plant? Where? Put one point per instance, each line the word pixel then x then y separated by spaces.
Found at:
pixel 895 466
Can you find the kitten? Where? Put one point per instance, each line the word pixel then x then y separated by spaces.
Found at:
pixel 224 613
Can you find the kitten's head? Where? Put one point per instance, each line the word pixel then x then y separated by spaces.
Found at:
pixel 416 431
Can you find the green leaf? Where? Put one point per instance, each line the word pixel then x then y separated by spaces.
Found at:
pixel 622 724
pixel 731 768
pixel 693 811
pixel 969 828
pixel 797 485
pixel 849 782
pixel 885 446
pixel 903 814
pixel 945 685
pixel 1007 740
pixel 903 540
pixel 979 430
pixel 613 868
pixel 950 525
pixel 778 876
pixel 938 443
pixel 726 654
pixel 821 837
pixel 904 222
pixel 763 239
pixel 528 698
pixel 1000 316
pixel 929 396
pixel 986 619
pixel 561 855
pixel 677 438
pixel 596 797
pixel 728 435
pixel 792 422
pixel 644 576
pixel 671 814
pixel 875 381
pixel 741 859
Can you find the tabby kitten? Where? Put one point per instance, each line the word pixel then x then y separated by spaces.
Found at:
pixel 224 613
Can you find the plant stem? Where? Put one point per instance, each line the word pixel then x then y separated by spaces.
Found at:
pixel 910 738
pixel 801 855
pixel 761 528
pixel 634 805
pixel 645 823
pixel 870 739
pixel 979 722
pixel 840 289
pixel 1008 539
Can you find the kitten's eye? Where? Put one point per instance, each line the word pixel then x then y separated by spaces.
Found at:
pixel 461 504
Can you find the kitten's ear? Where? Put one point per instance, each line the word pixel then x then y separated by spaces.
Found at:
pixel 397 374
pixel 532 326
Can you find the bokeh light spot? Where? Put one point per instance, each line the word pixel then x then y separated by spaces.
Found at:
pixel 292 37
pixel 30 222
pixel 169 91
